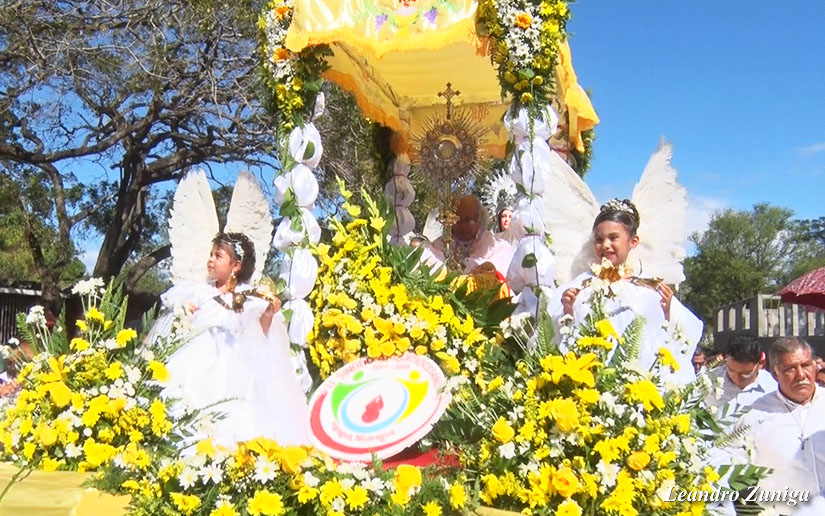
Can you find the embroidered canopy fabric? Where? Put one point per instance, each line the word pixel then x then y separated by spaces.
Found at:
pixel 396 55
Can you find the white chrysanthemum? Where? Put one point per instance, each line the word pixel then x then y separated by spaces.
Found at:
pixel 211 473
pixel 375 485
pixel 310 479
pixel 265 470
pixel 507 450
pixel 609 473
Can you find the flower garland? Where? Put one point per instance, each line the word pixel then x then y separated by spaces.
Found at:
pixel 89 400
pixel 364 307
pixel 294 79
pixel 526 35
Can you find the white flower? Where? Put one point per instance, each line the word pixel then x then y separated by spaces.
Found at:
pixel 337 505
pixel 609 473
pixel 212 472
pixel 147 354
pixel 36 316
pixel 347 483
pixel 103 389
pixel 265 470
pixel 73 451
pixel 87 432
pixel 91 286
pixel 110 344
pixel 188 477
pixel 310 479
pixel 507 450
pixel 13 342
pixel 375 484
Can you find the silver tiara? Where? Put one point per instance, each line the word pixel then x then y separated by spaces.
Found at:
pixel 238 250
pixel 617 204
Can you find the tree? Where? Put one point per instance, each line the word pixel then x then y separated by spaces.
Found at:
pixel 140 90
pixel 742 253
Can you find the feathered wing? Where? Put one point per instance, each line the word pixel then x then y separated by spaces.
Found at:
pixel 569 211
pixel 249 214
pixel 662 205
pixel 193 223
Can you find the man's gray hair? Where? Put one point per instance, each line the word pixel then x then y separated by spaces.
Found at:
pixel 784 345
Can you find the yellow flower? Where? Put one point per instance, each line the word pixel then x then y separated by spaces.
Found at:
pixel 205 448
pixel 645 392
pixel 59 392
pixel 266 503
pixel 526 97
pixel 185 503
pixel 159 371
pixel 523 20
pixel 224 508
pixel 667 360
pixel 606 329
pixel 352 209
pixel 568 508
pixel 407 477
pixel 458 496
pixel 130 485
pixel 124 336
pixel 502 431
pixel 565 482
pixel 331 490
pixel 280 54
pixel 306 494
pixel 81 325
pixel 79 344
pixel 494 384
pixel 292 457
pixel 564 413
pixel 93 314
pixel 431 508
pixel 575 368
pixel 28 450
pixel 588 396
pixel 450 363
pixel 377 223
pixel 114 371
pixel 357 497
pixel 638 460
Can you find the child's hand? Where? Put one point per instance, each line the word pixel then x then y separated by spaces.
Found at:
pixel 274 305
pixel 667 296
pixel 568 298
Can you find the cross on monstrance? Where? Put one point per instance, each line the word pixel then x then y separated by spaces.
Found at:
pixel 448 94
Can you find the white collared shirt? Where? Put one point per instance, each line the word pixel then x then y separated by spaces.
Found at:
pixel 732 395
pixel 790 439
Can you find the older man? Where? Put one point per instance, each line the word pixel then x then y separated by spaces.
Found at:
pixel 474 244
pixel 786 429
pixel 742 379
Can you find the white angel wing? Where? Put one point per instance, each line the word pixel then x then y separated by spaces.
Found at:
pixel 193 223
pixel 570 209
pixel 662 205
pixel 249 214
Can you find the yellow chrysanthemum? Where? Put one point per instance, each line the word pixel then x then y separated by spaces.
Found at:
pixel 502 431
pixel 265 503
pixel 187 504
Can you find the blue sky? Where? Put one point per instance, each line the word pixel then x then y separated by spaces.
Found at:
pixel 737 86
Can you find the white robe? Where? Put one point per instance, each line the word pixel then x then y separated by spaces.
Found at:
pixel 632 300
pixel 231 367
pixel 485 248
pixel 790 439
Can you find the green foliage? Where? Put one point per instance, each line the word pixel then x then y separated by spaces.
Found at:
pixel 742 253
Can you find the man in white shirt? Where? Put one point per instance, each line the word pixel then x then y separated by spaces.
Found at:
pixel 741 380
pixel 786 430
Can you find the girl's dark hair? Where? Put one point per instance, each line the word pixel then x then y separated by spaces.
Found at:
pixel 622 211
pixel 241 249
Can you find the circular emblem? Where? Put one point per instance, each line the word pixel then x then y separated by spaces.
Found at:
pixel 377 407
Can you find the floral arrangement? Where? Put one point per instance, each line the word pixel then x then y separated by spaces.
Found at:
pixel 294 78
pixel 87 400
pixel 579 429
pixel 261 478
pixel 375 300
pixel 526 36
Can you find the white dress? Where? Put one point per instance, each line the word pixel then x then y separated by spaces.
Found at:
pixel 231 367
pixel 629 301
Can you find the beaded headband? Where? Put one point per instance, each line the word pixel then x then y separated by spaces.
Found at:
pixel 238 250
pixel 617 204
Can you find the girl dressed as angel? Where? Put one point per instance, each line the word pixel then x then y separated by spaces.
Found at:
pixel 668 324
pixel 237 363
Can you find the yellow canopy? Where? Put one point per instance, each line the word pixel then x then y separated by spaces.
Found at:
pixel 396 55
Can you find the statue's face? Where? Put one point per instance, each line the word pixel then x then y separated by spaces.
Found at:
pixel 468 213
pixel 504 219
